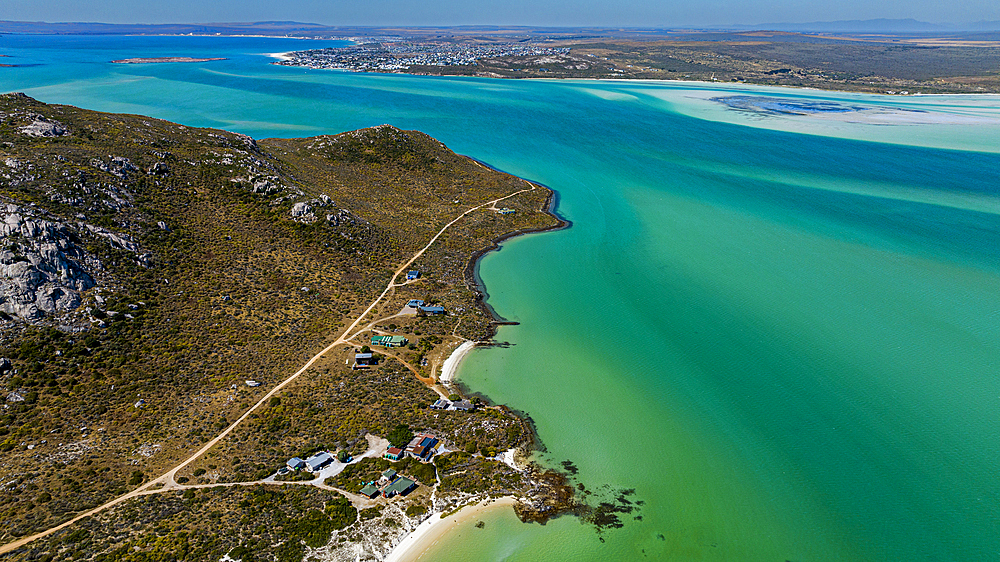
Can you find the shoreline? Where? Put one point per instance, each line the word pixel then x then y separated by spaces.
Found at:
pixel 661 80
pixel 450 367
pixel 471 273
pixel 414 545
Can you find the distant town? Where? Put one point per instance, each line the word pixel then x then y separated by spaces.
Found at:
pixel 389 56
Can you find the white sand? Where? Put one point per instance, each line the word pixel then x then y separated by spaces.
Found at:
pixel 428 533
pixel 450 366
pixel 280 56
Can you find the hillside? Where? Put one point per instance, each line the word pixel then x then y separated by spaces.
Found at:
pixel 148 270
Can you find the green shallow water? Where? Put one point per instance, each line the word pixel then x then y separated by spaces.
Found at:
pixel 784 339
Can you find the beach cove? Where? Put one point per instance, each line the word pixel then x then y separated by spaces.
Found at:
pixel 781 337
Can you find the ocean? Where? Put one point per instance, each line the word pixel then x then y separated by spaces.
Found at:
pixel 775 315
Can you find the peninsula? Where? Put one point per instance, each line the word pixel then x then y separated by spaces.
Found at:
pixel 241 341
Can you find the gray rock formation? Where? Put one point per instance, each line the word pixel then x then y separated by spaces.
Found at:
pixel 41 269
pixel 302 210
pixel 42 127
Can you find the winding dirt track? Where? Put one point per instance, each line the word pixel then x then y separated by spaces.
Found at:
pixel 167 482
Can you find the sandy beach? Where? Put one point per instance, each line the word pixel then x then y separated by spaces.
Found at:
pixel 450 366
pixel 280 56
pixel 428 533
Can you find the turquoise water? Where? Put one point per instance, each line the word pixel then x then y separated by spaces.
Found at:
pixel 783 337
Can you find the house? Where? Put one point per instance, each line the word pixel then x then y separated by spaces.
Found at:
pixel 422 445
pixel 295 463
pixel 401 486
pixel 318 461
pixel 370 491
pixel 431 309
pixel 363 361
pixel 506 211
pixel 252 383
pixel 441 404
pixel 390 341
pixel 387 477
pixel 415 303
pixel 463 405
pixel 412 274
pixel 394 453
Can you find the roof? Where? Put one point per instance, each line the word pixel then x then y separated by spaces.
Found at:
pixel 400 486
pixel 462 405
pixel 369 491
pixel 318 460
pixel 295 462
pixel 362 355
pixel 432 309
pixel 390 473
pixel 414 303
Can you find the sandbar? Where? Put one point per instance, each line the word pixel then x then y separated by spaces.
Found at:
pixel 151 60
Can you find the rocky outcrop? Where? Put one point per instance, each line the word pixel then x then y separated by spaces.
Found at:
pixel 41 268
pixel 42 127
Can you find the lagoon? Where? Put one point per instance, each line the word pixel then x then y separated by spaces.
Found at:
pixel 779 328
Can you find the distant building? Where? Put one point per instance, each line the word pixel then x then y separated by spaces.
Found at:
pixel 318 461
pixel 422 445
pixel 401 486
pixel 252 383
pixel 363 361
pixel 370 491
pixel 295 463
pixel 441 404
pixel 390 341
pixel 415 303
pixel 394 453
pixel 431 309
pixel 506 211
pixel 387 476
pixel 412 274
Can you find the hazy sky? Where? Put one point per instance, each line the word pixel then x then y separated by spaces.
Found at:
pixel 644 13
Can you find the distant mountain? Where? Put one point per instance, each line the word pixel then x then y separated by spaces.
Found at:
pixel 881 25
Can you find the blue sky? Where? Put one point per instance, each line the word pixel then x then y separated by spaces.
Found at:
pixel 644 13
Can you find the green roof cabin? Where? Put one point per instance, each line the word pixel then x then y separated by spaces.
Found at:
pixel 369 491
pixel 401 486
pixel 390 341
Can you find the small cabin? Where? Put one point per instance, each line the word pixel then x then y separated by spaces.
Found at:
pixel 370 491
pixel 412 274
pixel 363 360
pixel 463 405
pixel 393 454
pixel 387 476
pixel 390 341
pixel 401 486
pixel 318 461
pixel 295 463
